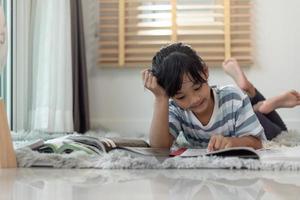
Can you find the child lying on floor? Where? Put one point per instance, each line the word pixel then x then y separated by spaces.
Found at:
pixel 210 117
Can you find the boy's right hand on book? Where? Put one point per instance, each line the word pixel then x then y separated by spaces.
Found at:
pixel 218 142
pixel 150 82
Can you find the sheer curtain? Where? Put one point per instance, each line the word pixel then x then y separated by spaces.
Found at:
pixel 52 104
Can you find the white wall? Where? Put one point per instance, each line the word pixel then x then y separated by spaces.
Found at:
pixel 119 102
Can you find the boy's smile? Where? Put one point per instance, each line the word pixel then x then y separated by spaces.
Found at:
pixel 195 97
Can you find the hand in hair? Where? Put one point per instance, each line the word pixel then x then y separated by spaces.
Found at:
pixel 150 82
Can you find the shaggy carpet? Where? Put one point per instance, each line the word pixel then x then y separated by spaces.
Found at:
pixel 119 159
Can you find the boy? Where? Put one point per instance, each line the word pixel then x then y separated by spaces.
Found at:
pixel 213 117
pixel 210 117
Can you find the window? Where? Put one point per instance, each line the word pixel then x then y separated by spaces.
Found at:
pixel 131 31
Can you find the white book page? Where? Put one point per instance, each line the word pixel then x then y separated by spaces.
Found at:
pixel 149 151
pixel 194 152
pixel 243 151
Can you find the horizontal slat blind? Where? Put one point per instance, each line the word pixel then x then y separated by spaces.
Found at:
pixel 109 28
pixel 215 29
pixel 240 13
pixel 201 24
pixel 149 23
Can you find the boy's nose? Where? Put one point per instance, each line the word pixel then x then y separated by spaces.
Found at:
pixel 195 100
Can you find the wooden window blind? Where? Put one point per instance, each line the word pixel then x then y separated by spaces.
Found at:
pixel 131 31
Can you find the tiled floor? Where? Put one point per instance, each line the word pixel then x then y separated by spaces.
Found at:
pixel 67 184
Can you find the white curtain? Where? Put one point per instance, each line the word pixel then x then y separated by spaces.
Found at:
pixel 52 105
pixel 3 39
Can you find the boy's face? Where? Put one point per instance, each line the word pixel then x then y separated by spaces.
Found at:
pixel 192 96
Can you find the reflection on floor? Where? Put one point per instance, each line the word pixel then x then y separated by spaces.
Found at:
pixel 88 184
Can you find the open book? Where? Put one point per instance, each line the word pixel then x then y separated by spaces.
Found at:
pixel 241 152
pixel 291 154
pixel 95 145
pixel 138 146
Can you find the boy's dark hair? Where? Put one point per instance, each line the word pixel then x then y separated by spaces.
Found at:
pixel 172 62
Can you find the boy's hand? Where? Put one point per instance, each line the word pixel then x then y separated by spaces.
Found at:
pixel 150 82
pixel 218 142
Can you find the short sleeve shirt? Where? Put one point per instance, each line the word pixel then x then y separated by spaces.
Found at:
pixel 233 116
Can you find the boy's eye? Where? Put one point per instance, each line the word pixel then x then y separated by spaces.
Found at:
pixel 197 87
pixel 180 98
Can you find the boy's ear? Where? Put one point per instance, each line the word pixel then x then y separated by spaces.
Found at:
pixel 206 72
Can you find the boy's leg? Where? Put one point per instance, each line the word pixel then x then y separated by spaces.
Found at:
pixel 287 99
pixel 258 97
pixel 272 116
pixel 271 129
pixel 232 68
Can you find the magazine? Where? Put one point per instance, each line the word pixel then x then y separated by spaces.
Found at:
pixel 59 145
pixel 96 145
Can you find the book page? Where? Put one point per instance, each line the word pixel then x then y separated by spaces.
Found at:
pixel 127 142
pixel 194 152
pixel 148 151
pixel 242 152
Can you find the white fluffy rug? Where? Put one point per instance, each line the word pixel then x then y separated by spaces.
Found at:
pixel 123 160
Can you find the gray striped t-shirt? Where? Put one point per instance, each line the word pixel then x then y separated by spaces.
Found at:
pixel 232 116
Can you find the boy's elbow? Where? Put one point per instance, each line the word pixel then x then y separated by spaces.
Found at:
pixel 257 143
pixel 260 145
pixel 162 144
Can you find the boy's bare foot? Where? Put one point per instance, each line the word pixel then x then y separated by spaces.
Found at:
pixel 288 99
pixel 232 68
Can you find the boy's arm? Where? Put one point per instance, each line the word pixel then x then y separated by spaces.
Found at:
pixel 247 141
pixel 159 130
pixel 218 142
